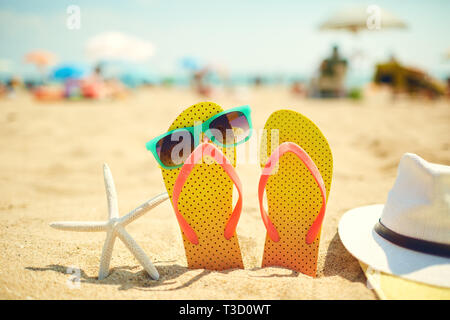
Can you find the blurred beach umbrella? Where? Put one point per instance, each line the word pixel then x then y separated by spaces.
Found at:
pixel 40 58
pixel 359 18
pixel 190 63
pixel 118 46
pixel 68 71
pixel 355 19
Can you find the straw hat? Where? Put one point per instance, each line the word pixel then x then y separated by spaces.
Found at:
pixel 408 236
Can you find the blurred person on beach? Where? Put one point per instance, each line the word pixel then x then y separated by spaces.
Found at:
pixel 199 83
pixel 258 81
pixel 93 86
pixel 297 88
pixel 332 75
pixel 30 84
pixel 11 86
pixel 2 90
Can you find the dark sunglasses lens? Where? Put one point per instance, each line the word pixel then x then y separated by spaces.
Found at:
pixel 174 148
pixel 230 128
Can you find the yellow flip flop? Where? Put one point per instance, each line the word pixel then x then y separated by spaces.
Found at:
pixel 206 201
pixel 297 171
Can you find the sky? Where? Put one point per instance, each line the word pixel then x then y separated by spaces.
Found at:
pixel 246 36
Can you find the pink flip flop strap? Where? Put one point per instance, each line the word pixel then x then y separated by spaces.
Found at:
pixel 194 158
pixel 309 163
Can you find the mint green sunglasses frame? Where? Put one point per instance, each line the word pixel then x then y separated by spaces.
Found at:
pixel 151 145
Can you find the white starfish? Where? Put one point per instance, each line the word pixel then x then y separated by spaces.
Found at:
pixel 115 227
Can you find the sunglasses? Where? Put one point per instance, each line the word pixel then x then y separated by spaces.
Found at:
pixel 225 129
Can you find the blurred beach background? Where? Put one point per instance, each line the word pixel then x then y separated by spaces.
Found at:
pixel 83 83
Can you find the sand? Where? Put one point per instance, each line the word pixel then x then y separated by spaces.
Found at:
pixel 51 170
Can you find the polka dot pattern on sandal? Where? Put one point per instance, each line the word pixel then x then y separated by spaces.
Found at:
pixel 293 197
pixel 206 201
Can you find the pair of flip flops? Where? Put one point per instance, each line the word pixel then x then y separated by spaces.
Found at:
pixel 296 177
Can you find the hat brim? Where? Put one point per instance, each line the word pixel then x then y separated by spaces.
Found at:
pixel 391 287
pixel 359 238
